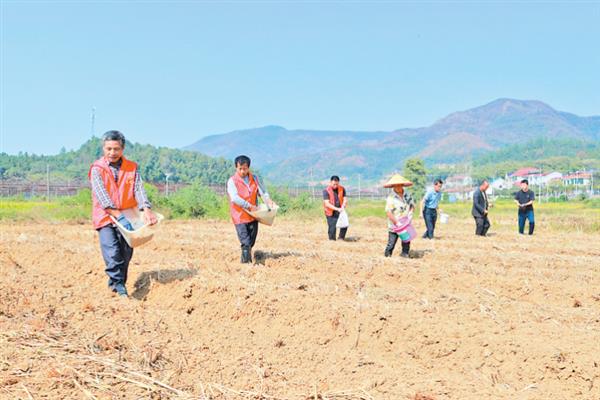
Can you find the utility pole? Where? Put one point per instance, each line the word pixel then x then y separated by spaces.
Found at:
pixel 93 121
pixel 312 184
pixel 47 182
pixel 167 175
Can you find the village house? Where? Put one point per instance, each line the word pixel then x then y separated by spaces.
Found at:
pixel 533 175
pixel 578 178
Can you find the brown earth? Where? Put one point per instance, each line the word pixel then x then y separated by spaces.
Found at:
pixel 504 317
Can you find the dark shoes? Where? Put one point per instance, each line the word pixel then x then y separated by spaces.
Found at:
pixel 246 256
pixel 389 254
pixel 120 289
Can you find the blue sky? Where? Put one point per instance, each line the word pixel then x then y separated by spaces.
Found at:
pixel 168 73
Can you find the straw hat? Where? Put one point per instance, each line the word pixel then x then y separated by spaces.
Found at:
pixel 396 180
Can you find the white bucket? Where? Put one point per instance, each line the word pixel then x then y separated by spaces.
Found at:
pixel 444 218
pixel 264 214
pixel 142 232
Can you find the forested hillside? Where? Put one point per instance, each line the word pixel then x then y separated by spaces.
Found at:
pixel 154 163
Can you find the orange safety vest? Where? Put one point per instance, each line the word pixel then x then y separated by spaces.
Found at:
pixel 121 192
pixel 248 192
pixel 340 190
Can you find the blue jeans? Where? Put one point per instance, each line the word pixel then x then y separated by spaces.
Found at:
pixel 522 217
pixel 116 253
pixel 430 216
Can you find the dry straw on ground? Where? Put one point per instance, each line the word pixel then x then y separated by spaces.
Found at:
pixel 465 318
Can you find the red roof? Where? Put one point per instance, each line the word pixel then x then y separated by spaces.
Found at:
pixel 526 171
pixel 578 175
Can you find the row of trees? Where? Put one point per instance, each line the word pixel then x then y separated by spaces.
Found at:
pixel 155 164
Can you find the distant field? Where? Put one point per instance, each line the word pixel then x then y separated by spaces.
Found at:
pixel 581 216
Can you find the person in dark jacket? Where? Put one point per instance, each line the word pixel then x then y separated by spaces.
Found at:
pixel 524 198
pixel 480 209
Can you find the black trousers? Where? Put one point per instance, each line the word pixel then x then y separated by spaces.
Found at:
pixel 116 253
pixel 482 224
pixel 391 244
pixel 331 222
pixel 247 234
pixel 430 216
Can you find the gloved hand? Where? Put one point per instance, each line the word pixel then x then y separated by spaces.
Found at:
pixel 125 222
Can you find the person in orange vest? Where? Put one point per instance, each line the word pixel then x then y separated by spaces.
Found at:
pixel 116 186
pixel 334 201
pixel 243 189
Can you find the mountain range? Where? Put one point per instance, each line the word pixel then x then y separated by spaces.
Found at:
pixel 303 155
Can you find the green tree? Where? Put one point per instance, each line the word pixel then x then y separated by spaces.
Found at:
pixel 414 170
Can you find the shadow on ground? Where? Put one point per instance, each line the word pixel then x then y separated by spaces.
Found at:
pixel 261 256
pixel 418 253
pixel 144 281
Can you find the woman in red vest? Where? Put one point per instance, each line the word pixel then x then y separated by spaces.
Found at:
pixel 243 189
pixel 116 185
pixel 334 201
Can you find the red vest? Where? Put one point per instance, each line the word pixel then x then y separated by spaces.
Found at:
pixel 340 190
pixel 121 192
pixel 248 192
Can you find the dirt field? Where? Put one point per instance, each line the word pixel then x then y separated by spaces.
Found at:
pixel 504 317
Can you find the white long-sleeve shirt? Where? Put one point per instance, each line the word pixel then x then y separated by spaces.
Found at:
pixel 235 197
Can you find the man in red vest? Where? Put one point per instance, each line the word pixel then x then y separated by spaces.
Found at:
pixel 334 201
pixel 116 186
pixel 243 189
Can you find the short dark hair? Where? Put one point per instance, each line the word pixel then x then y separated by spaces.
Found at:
pixel 481 182
pixel 335 178
pixel 114 135
pixel 242 160
pixel 525 181
pixel 438 180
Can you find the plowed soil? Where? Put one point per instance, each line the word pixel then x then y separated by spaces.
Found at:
pixel 503 317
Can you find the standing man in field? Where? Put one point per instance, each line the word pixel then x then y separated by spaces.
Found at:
pixel 429 206
pixel 334 201
pixel 480 209
pixel 243 189
pixel 524 198
pixel 116 186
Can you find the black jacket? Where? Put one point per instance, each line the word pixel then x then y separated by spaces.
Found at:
pixel 480 204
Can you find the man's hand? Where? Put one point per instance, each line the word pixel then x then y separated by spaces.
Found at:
pixel 125 222
pixel 253 208
pixel 149 217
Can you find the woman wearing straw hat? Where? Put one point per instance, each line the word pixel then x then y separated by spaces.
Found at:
pixel 399 206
